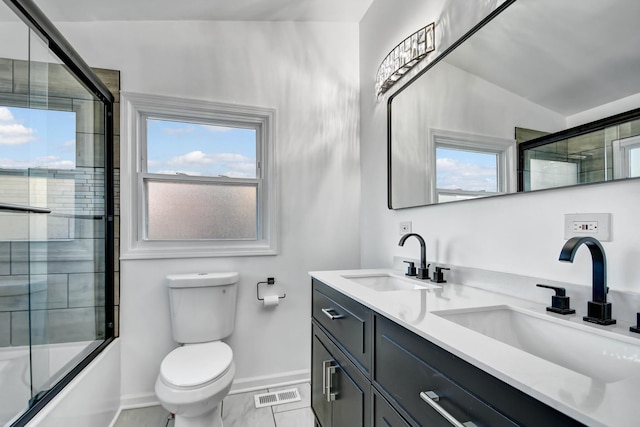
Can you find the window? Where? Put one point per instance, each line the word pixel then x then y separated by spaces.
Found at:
pixel 203 178
pixel 470 166
pixel 626 157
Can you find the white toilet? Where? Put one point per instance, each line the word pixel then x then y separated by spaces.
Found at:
pixel 195 377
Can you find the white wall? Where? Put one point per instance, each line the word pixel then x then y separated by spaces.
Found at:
pixel 520 233
pixel 309 73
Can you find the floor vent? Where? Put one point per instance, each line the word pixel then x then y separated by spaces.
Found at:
pixel 277 397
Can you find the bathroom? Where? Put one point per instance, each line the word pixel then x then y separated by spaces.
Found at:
pixel 331 154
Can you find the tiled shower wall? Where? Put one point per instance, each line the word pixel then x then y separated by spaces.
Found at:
pixel 67 273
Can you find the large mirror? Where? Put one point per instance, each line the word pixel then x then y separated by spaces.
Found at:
pixel 554 84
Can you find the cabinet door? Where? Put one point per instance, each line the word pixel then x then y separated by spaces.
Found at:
pixel 339 391
pixel 349 404
pixel 320 359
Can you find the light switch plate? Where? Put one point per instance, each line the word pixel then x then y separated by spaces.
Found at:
pixel 596 225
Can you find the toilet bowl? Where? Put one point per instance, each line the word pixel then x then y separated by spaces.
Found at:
pixel 193 380
pixel 195 377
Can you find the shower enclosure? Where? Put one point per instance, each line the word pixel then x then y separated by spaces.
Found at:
pixel 56 213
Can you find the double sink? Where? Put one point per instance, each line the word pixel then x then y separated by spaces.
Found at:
pixel 599 354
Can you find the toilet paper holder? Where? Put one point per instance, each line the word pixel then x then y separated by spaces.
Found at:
pixel 270 281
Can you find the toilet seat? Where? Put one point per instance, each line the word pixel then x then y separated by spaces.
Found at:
pixel 197 365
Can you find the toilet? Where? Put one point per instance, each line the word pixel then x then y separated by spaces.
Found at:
pixel 195 377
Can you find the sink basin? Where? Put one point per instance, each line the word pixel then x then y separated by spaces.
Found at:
pixel 598 354
pixel 386 282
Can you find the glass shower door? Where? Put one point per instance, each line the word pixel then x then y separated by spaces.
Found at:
pixel 52 220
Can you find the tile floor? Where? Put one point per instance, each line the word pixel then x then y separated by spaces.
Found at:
pixel 238 410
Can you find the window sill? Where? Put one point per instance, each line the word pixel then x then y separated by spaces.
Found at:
pixel 191 252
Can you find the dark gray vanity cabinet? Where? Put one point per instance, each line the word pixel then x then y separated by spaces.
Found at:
pixel 369 371
pixel 409 370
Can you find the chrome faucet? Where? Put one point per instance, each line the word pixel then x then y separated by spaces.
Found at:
pixel 598 309
pixel 423 270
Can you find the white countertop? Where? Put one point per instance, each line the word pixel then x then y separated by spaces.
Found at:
pixel 590 401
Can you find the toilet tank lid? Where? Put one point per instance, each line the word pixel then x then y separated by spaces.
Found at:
pixel 195 280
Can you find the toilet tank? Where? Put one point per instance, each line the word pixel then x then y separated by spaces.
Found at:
pixel 202 306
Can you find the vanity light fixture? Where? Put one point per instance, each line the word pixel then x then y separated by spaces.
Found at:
pixel 404 57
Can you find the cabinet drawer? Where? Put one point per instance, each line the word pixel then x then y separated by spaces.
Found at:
pixel 405 376
pixel 349 322
pixel 384 415
pixel 408 365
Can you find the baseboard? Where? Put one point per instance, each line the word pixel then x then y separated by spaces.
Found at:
pixel 134 401
pixel 243 385
pixel 240 385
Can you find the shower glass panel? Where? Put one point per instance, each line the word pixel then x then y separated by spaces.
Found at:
pixel 53 177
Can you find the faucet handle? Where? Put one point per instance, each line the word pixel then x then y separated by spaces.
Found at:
pixel 559 302
pixel 438 275
pixel 636 328
pixel 411 268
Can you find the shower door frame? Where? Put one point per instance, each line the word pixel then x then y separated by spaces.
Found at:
pixel 31 15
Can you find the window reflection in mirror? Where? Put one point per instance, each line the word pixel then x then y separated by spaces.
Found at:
pixel 465 174
pixel 634 162
pixel 596 156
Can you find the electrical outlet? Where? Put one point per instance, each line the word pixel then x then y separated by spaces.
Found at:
pixel 405 227
pixel 595 225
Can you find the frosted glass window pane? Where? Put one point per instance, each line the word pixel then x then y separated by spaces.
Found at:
pixel 186 148
pixel 192 211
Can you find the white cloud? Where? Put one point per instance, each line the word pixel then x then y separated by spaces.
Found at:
pixel 12 132
pixel 70 143
pixel 453 174
pixel 194 157
pixel 178 130
pixel 217 128
pixel 200 158
pixel 47 162
pixel 54 162
pixel 5 115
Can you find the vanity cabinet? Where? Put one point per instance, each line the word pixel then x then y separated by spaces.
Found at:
pixel 369 371
pixel 410 371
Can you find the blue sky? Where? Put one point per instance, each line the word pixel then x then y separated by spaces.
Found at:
pixel 31 138
pixel 466 170
pixel 202 150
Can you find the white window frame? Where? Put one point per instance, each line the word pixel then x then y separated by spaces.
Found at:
pixel 135 109
pixel 504 149
pixel 621 148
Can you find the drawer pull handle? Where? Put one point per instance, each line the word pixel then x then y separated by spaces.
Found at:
pixel 431 398
pixel 329 369
pixel 329 312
